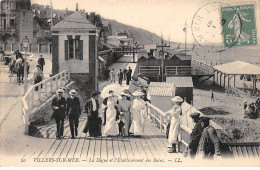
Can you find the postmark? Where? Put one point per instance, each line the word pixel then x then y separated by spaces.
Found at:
pixel 207 25
pixel 240 26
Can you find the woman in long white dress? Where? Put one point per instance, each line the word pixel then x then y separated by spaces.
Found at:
pixel 111 126
pixel 175 123
pixel 124 107
pixel 138 111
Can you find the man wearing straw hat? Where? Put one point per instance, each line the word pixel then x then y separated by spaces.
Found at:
pixel 59 108
pixel 73 112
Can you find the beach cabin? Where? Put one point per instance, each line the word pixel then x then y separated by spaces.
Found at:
pixel 75 48
pixel 160 95
pixel 183 87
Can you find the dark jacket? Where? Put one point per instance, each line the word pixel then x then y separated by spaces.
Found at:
pixel 73 106
pixel 195 136
pixel 209 143
pixel 88 107
pixel 41 61
pixel 59 113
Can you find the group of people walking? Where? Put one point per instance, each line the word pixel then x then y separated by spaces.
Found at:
pixel 124 74
pixel 120 116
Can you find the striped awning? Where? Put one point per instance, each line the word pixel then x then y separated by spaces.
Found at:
pixel 161 89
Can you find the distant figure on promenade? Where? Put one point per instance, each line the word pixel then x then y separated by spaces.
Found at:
pixel 91 107
pixel 59 110
pixel 106 74
pixel 112 76
pixel 212 95
pixel 128 76
pixel 209 144
pixel 257 104
pixel 41 62
pixel 174 131
pixel 124 107
pixel 138 112
pixel 195 135
pixel 124 73
pixel 110 115
pixel 73 112
pixel 38 76
pixel 120 77
pixel 251 111
pixel 18 54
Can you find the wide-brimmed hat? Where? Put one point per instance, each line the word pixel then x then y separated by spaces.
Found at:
pixel 177 99
pixel 245 101
pixel 124 94
pixel 73 91
pixel 138 93
pixel 60 91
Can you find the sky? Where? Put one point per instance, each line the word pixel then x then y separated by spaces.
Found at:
pixel 158 16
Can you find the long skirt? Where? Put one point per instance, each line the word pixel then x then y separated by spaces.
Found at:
pixel 111 126
pixel 126 120
pixel 37 79
pixel 174 130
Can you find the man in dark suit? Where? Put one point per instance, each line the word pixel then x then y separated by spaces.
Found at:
pixel 209 144
pixel 41 62
pixel 93 124
pixel 195 135
pixel 73 112
pixel 128 76
pixel 59 108
pixel 120 77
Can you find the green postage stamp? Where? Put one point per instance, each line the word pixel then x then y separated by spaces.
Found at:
pixel 239 25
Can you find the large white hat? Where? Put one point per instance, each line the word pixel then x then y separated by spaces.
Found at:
pixel 138 93
pixel 73 91
pixel 177 99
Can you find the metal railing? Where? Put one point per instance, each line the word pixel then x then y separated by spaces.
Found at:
pixel 202 66
pixel 149 70
pixel 40 92
pixel 178 70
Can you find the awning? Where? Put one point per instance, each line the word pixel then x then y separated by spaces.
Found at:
pixel 180 81
pixel 238 68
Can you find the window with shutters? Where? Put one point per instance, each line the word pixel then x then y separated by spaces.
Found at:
pixel 74 48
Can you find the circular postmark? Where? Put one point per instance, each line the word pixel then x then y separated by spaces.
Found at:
pixel 212 21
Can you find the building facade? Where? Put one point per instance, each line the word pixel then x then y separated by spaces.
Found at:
pixel 16 21
pixel 74 42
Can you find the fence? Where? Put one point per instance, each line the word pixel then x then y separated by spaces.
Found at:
pixel 178 70
pixel 46 88
pixel 202 67
pixel 149 70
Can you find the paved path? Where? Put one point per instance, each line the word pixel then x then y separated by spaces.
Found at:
pixel 12 138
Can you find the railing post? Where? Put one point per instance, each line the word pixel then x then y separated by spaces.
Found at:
pixel 51 85
pixel 69 74
pixel 32 98
pixel 26 122
pixel 56 81
pixel 39 93
pixel 161 123
pixel 45 88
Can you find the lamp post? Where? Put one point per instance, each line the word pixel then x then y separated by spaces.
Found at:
pixel 25 46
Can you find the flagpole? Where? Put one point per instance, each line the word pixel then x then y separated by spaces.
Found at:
pixel 185 37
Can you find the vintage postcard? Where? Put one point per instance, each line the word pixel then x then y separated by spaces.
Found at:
pixel 133 83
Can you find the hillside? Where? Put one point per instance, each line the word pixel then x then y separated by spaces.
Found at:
pixel 142 36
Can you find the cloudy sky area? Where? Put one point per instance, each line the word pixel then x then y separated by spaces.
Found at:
pixel 168 16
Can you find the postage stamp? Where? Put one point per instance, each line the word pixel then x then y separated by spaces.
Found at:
pixel 239 26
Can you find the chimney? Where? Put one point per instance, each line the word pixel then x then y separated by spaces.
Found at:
pixel 77 7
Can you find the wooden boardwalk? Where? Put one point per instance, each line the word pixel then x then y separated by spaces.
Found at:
pixel 152 145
